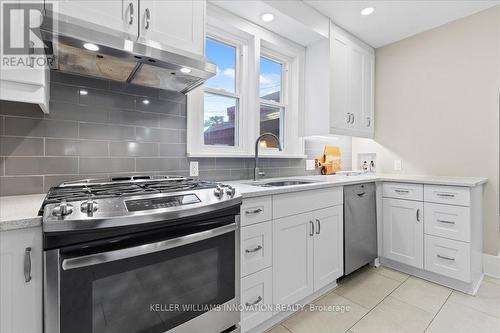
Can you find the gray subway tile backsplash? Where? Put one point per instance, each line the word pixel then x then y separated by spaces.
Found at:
pixel 109 131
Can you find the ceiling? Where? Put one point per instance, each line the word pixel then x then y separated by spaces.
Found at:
pixel 395 20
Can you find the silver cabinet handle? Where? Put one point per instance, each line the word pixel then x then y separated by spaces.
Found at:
pixel 353 118
pixel 445 258
pixel 252 212
pixel 312 228
pixel 318 229
pixel 258 248
pixel 257 301
pixel 27 265
pixel 368 121
pixel 348 118
pixel 135 251
pixel 445 195
pixel 418 215
pixel 131 13
pixel 148 18
pixel 444 221
pixel 401 191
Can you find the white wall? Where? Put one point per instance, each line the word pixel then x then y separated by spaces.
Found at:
pixel 437 106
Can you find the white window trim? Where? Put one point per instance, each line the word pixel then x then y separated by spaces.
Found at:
pixel 255 41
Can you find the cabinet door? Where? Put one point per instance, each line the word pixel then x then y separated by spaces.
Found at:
pixel 356 73
pixel 178 23
pixel 403 231
pixel 292 258
pixel 21 301
pixel 339 61
pixel 328 246
pixel 120 15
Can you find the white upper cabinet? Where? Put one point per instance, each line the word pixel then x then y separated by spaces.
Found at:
pixel 177 23
pixel 340 86
pixel 352 76
pixel 120 15
pixel 180 24
pixel 24 79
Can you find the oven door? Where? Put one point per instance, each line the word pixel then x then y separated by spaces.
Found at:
pixel 157 281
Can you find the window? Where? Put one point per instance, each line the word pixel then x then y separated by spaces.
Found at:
pixel 221 101
pixel 272 107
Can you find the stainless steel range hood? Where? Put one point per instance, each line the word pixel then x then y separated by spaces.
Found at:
pixel 120 56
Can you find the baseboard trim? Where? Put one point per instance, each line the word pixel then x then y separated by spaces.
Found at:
pixel 491 265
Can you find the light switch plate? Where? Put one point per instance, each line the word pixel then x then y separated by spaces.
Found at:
pixel 398 165
pixel 194 170
pixel 310 165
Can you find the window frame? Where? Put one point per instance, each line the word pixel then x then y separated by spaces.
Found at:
pixel 237 95
pixel 284 61
pixel 254 40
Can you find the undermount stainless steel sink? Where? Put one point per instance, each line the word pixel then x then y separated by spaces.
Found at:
pixel 277 183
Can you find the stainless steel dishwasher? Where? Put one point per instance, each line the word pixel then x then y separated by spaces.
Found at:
pixel 360 226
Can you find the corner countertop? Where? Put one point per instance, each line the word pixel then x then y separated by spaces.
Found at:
pixel 248 190
pixel 21 211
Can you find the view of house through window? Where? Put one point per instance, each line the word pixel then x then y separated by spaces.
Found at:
pixel 271 107
pixel 220 119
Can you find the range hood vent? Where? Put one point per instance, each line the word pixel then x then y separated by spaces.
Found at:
pixel 119 57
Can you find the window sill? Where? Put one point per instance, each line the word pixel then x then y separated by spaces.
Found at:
pixel 237 155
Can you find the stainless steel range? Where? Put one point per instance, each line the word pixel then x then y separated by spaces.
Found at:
pixel 141 255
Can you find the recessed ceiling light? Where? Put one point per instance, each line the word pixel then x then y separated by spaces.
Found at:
pixel 185 70
pixel 267 17
pixel 91 47
pixel 83 92
pixel 367 11
pixel 145 101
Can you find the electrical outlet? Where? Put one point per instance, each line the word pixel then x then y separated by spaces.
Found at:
pixel 194 170
pixel 310 165
pixel 398 165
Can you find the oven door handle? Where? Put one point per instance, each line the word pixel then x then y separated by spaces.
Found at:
pixel 104 257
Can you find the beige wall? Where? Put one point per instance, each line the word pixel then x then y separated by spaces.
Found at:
pixel 437 107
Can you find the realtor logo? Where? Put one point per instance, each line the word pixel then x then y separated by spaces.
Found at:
pixel 22 42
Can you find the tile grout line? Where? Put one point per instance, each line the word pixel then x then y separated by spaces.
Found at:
pixel 447 298
pixel 378 302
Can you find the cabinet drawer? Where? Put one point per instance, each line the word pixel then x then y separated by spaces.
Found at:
pixel 305 201
pixel 403 191
pixel 256 247
pixel 451 195
pixel 256 290
pixel 447 221
pixel 255 210
pixel 447 257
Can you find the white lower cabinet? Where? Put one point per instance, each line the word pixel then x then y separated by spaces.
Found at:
pixel 328 250
pixel 256 247
pixel 448 257
pixel 307 253
pixel 403 231
pixel 21 281
pixel 256 292
pixel 293 258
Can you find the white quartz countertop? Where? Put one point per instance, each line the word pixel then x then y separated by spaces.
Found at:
pixel 248 190
pixel 22 211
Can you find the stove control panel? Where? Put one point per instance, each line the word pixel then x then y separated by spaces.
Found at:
pixel 161 202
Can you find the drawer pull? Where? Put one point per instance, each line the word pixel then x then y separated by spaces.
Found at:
pixel 253 212
pixel 258 248
pixel 257 301
pixel 397 190
pixel 445 258
pixel 447 222
pixel 418 215
pixel 445 195
pixel 27 265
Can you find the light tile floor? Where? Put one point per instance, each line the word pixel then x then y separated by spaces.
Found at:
pixel 382 300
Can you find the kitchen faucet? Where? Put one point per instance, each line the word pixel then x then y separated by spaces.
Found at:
pixel 256 172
